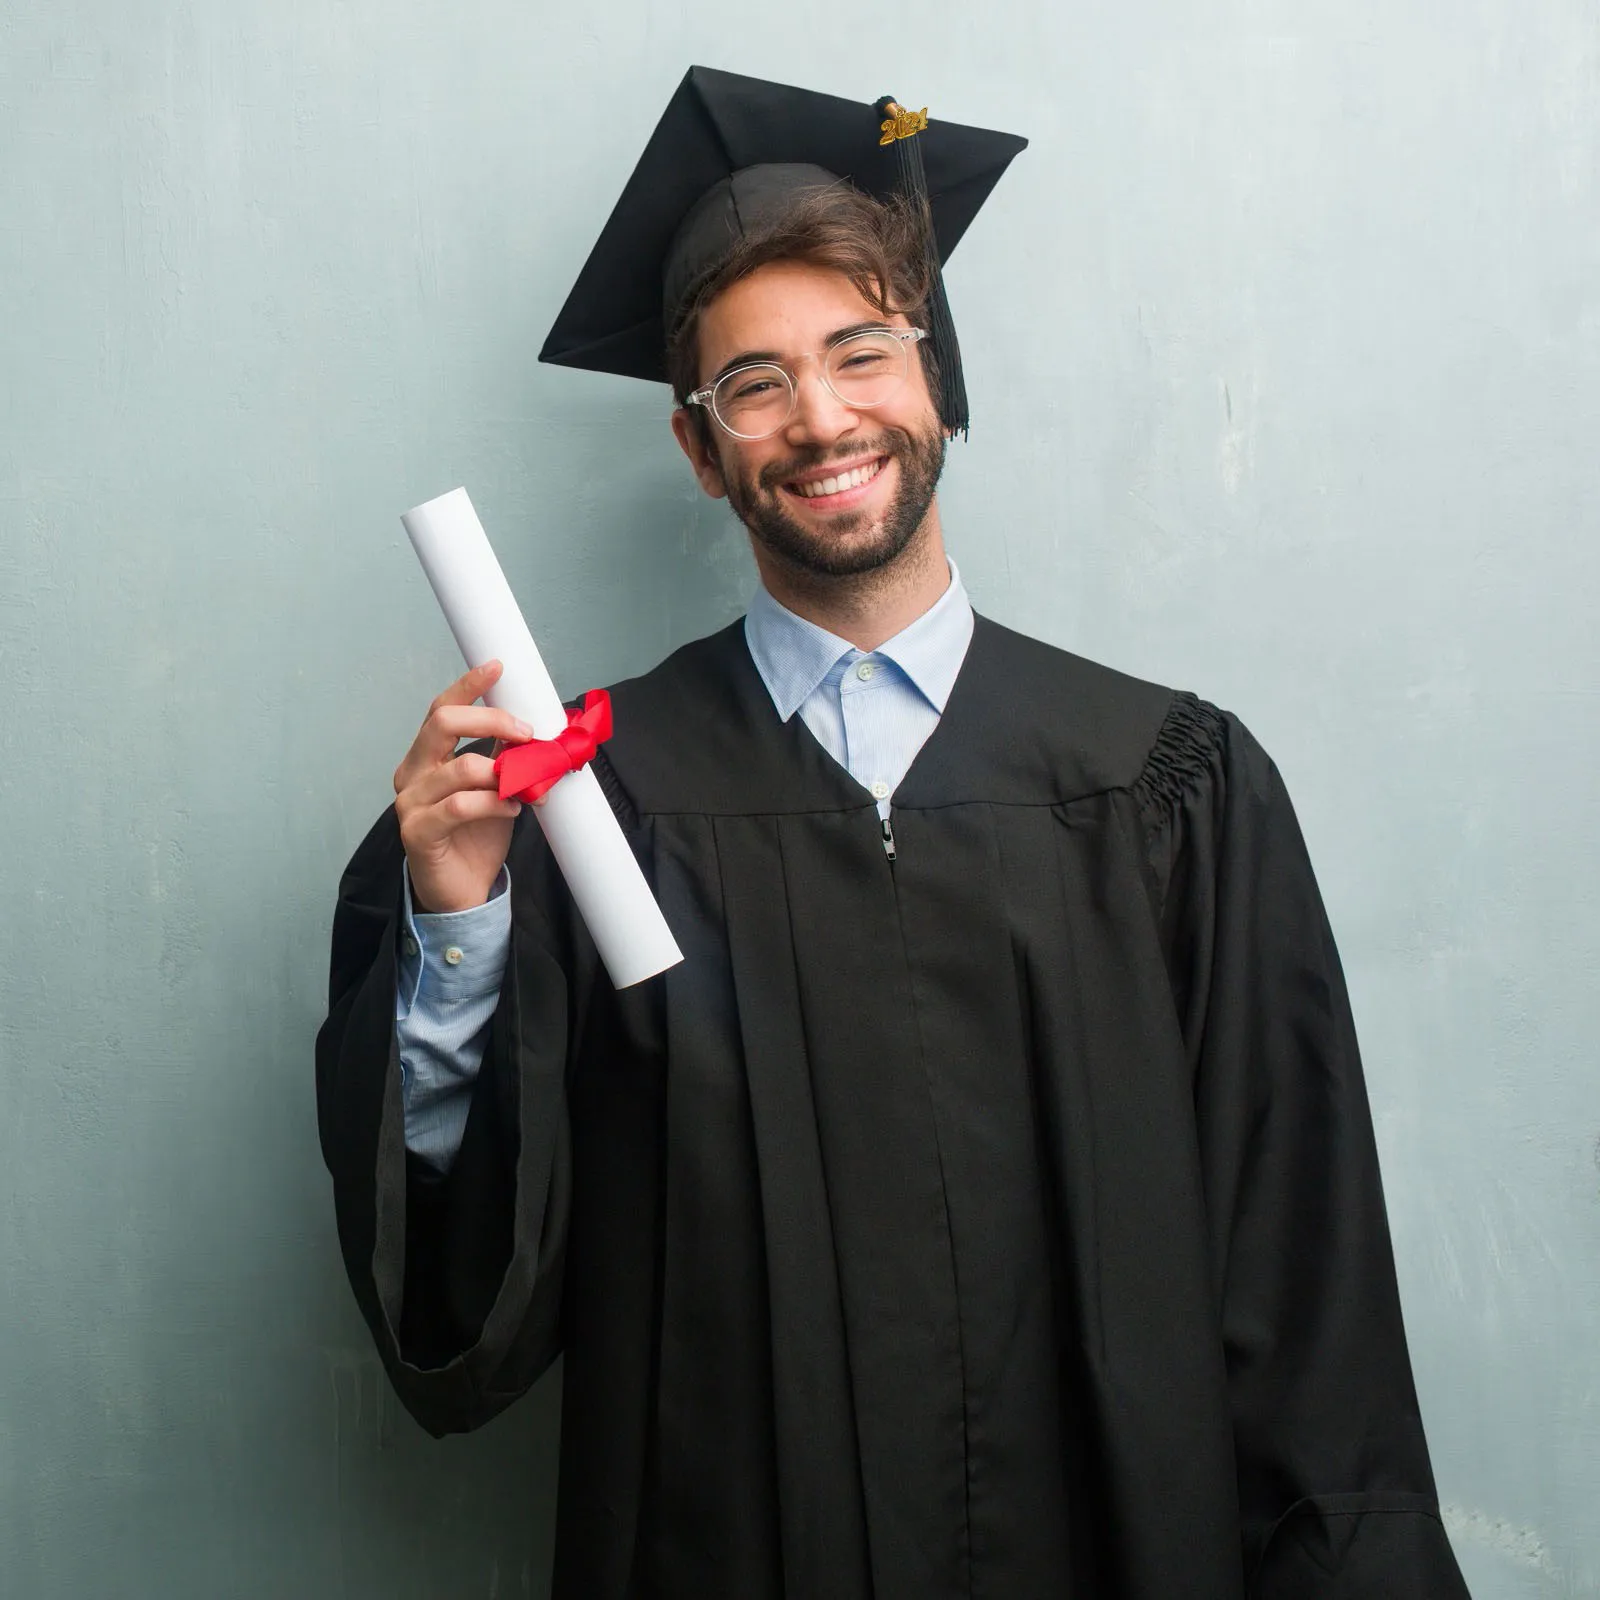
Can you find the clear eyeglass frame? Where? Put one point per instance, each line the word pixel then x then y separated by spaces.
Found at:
pixel 707 396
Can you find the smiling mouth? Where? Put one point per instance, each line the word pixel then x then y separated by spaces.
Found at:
pixel 839 484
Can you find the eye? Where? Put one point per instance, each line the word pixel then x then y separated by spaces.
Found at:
pixel 753 386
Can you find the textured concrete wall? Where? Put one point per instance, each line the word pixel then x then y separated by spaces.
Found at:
pixel 1284 341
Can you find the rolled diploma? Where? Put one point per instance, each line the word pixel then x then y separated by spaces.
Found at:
pixel 621 913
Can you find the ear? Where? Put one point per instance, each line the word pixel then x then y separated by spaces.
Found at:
pixel 702 456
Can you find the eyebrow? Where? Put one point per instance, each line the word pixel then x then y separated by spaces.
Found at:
pixel 748 358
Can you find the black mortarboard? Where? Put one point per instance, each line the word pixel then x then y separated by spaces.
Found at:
pixel 726 159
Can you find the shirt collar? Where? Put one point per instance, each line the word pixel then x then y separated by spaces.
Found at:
pixel 793 656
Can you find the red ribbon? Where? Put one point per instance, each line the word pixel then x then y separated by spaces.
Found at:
pixel 530 770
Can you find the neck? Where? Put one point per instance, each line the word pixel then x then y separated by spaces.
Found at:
pixel 865 608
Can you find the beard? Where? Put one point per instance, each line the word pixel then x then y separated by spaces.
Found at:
pixel 851 542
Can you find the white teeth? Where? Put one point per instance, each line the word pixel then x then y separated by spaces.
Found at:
pixel 847 480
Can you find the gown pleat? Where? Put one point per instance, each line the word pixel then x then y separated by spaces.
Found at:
pixel 819 1464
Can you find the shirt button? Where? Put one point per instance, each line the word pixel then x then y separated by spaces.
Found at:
pixel 880 790
pixel 411 945
pixel 864 670
pixel 453 955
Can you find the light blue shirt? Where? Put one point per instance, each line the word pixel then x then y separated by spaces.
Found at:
pixel 872 711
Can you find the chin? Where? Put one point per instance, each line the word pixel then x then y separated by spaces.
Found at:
pixel 854 546
pixel 846 543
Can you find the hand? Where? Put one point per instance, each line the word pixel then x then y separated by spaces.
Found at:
pixel 455 827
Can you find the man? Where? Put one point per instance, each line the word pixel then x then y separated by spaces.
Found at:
pixel 988 1204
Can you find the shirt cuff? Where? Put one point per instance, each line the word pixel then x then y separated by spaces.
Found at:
pixel 454 955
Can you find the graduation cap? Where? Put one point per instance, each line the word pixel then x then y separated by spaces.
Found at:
pixel 728 158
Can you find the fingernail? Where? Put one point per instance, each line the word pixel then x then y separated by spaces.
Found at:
pixel 523 730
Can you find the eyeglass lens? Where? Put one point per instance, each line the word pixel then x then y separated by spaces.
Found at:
pixel 863 370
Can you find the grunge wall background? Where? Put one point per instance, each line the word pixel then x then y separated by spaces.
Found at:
pixel 1284 347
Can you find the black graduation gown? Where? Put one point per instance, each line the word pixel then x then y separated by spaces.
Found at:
pixel 1003 1220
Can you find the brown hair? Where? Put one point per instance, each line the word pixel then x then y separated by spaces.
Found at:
pixel 881 246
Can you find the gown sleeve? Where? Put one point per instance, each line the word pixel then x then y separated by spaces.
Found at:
pixel 1336 1492
pixel 459 1277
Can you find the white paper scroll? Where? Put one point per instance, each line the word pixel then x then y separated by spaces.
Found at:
pixel 622 916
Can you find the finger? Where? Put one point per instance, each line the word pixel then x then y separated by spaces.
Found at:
pixel 467 688
pixel 447 724
pixel 478 722
pixel 445 729
pixel 429 825
pixel 471 684
pixel 433 784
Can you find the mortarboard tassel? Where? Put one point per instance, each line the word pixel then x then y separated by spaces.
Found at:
pixel 900 128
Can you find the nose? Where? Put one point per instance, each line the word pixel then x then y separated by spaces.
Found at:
pixel 820 416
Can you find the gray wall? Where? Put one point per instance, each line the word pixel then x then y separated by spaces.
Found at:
pixel 1284 339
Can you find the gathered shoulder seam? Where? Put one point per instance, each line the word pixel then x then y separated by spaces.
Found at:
pixel 1183 753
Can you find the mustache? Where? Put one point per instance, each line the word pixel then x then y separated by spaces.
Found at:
pixel 779 473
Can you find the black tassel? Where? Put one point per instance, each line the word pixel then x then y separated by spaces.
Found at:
pixel 913 183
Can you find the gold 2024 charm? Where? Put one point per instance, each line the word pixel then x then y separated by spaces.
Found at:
pixel 901 124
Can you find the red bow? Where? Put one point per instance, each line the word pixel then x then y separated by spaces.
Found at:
pixel 529 770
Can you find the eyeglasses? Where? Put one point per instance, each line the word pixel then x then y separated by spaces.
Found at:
pixel 862 370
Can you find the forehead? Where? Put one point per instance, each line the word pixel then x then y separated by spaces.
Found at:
pixel 787 306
